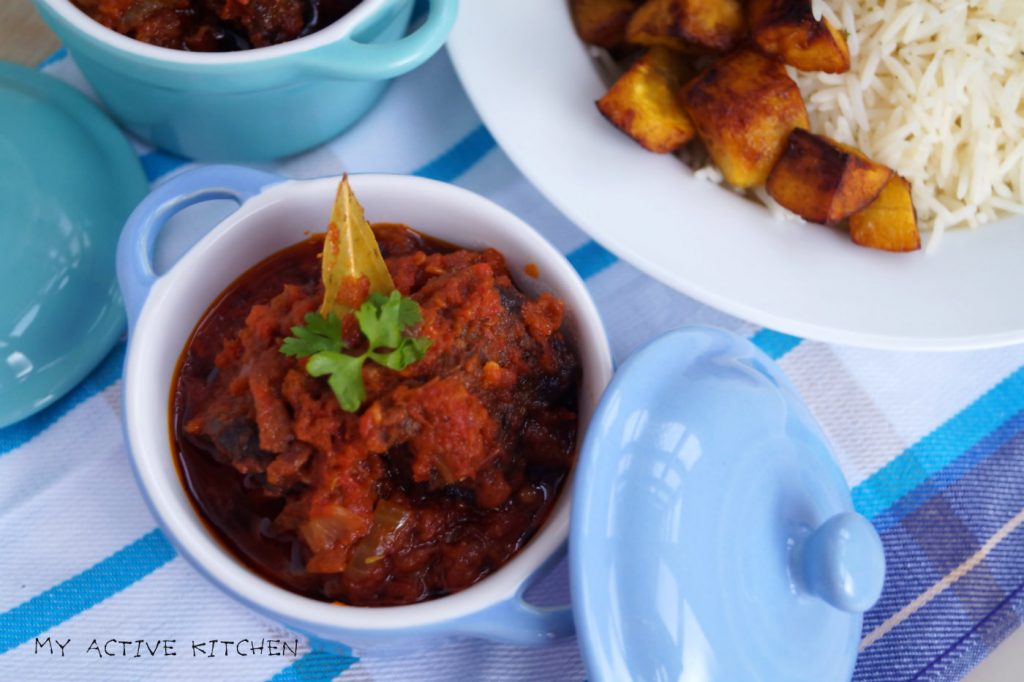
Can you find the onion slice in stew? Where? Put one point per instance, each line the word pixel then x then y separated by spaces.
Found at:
pixel 388 520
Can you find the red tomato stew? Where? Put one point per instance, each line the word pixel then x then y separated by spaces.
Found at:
pixel 215 25
pixel 446 470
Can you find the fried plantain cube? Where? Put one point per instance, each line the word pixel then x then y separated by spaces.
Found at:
pixel 602 22
pixel 824 181
pixel 642 103
pixel 687 25
pixel 744 107
pixel 788 29
pixel 890 221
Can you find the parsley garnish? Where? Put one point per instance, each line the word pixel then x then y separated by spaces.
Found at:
pixel 319 334
pixel 382 320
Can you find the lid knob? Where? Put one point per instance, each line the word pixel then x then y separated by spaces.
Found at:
pixel 842 562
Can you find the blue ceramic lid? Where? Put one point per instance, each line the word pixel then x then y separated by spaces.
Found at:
pixel 713 537
pixel 68 180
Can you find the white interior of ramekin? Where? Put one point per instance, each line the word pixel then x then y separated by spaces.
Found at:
pixel 329 34
pixel 280 216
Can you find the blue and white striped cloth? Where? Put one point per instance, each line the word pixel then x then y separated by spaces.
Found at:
pixel 932 445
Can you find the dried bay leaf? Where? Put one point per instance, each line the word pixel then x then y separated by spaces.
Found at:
pixel 350 252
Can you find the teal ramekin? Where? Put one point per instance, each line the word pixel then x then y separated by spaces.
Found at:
pixel 254 104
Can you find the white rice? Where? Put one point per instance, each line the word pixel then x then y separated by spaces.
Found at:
pixel 709 173
pixel 935 91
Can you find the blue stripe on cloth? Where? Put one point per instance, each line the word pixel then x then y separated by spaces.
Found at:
pixel 921 551
pixel 55 57
pixel 460 158
pixel 933 452
pixel 104 375
pixel 85 590
pixel 1000 609
pixel 316 666
pixel 950 474
pixel 921 643
pixel 157 164
pixel 590 259
pixel 967 619
pixel 774 344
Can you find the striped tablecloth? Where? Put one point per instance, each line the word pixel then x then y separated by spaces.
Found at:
pixel 932 445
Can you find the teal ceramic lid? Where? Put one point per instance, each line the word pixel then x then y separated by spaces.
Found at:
pixel 713 537
pixel 68 180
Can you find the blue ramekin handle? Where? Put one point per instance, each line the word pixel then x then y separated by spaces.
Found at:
pixel 135 273
pixel 350 59
pixel 516 621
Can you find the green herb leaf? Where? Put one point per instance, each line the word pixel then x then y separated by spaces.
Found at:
pixel 408 313
pixel 409 350
pixel 345 376
pixel 317 335
pixel 378 320
pixel 408 309
pixel 382 320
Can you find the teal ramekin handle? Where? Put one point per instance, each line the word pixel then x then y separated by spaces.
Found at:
pixel 135 272
pixel 351 60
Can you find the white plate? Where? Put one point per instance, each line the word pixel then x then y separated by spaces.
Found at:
pixel 534 85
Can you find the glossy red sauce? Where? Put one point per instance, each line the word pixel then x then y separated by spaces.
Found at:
pixel 449 467
pixel 215 25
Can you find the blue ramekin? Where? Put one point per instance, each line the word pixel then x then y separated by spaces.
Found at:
pixel 254 104
pixel 273 214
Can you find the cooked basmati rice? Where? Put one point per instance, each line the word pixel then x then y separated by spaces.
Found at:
pixel 935 91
